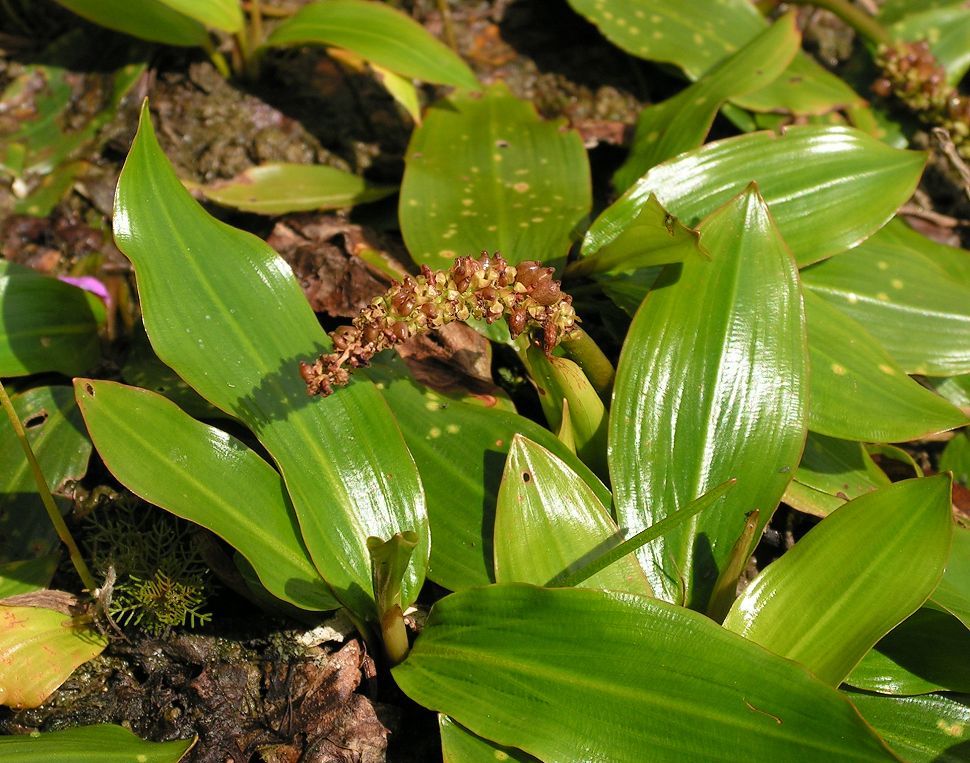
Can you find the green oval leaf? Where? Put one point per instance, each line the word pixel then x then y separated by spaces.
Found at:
pixel 573 674
pixel 148 19
pixel 710 386
pixel 828 188
pixel 224 311
pixel 39 649
pixel 377 33
pixel 930 729
pixel 56 434
pixel 916 311
pixel 206 476
pixel 45 325
pixel 277 189
pixel 829 599
pixel 218 14
pixel 485 172
pixel 549 522
pixel 92 744
pixel 858 391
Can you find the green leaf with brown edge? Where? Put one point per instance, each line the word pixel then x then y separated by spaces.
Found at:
pixel 150 20
pixel 572 674
pixel 45 324
pixel 858 391
pixel 929 729
pixel 40 646
pixel 911 306
pixel 217 14
pixel 91 744
pixel 459 745
pixel 206 476
pixel 953 591
pixel 56 434
pixel 377 33
pixel 225 312
pixel 832 472
pixel 828 188
pixel 655 237
pixel 460 450
pixel 829 599
pixel 549 522
pixel 485 172
pixel 697 34
pixel 681 122
pixel 711 379
pixel 278 189
pixel 924 653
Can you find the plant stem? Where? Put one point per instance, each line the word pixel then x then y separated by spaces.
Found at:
pixel 395 635
pixel 581 348
pixel 446 23
pixel 218 60
pixel 45 495
pixel 859 20
pixel 255 23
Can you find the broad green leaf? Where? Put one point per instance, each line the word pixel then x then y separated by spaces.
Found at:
pixel 953 261
pixel 91 744
pixel 218 14
pixel 858 391
pixel 45 325
pixel 206 476
pixel 549 521
pixel 573 674
pixel 484 172
pixel 224 311
pixel 40 648
pixel 946 29
pixel 927 652
pixel 627 290
pixel 930 729
pixel 710 386
pixel 460 450
pixel 56 434
pixel 866 567
pixel 828 188
pixel 953 591
pixel 148 19
pixel 27 575
pixel 655 237
pixel 377 33
pixel 956 457
pixel 459 745
pixel 915 310
pixel 277 189
pixel 681 123
pixel 697 34
pixel 956 389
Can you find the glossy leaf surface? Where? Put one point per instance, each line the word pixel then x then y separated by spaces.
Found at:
pixel 865 568
pixel 218 14
pixel 277 189
pixel 916 311
pixel 148 19
pixel 206 476
pixel 858 391
pixel 91 744
pixel 377 33
pixel 953 591
pixel 45 325
pixel 224 311
pixel 710 387
pixel 486 173
pixel 548 521
pixel 459 745
pixel 56 434
pixel 832 472
pixel 681 123
pixel 574 674
pixel 695 35
pixel 929 729
pixel 39 649
pixel 460 450
pixel 927 652
pixel 828 188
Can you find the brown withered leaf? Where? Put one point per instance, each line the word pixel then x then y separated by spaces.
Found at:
pixel 321 249
pixel 454 359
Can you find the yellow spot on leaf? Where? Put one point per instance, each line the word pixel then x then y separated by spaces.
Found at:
pixel 838 370
pixel 882 265
pixel 882 296
pixel 434 433
pixel 452 429
pixel 954 729
pixel 520 187
pixel 889 370
pixel 896 283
